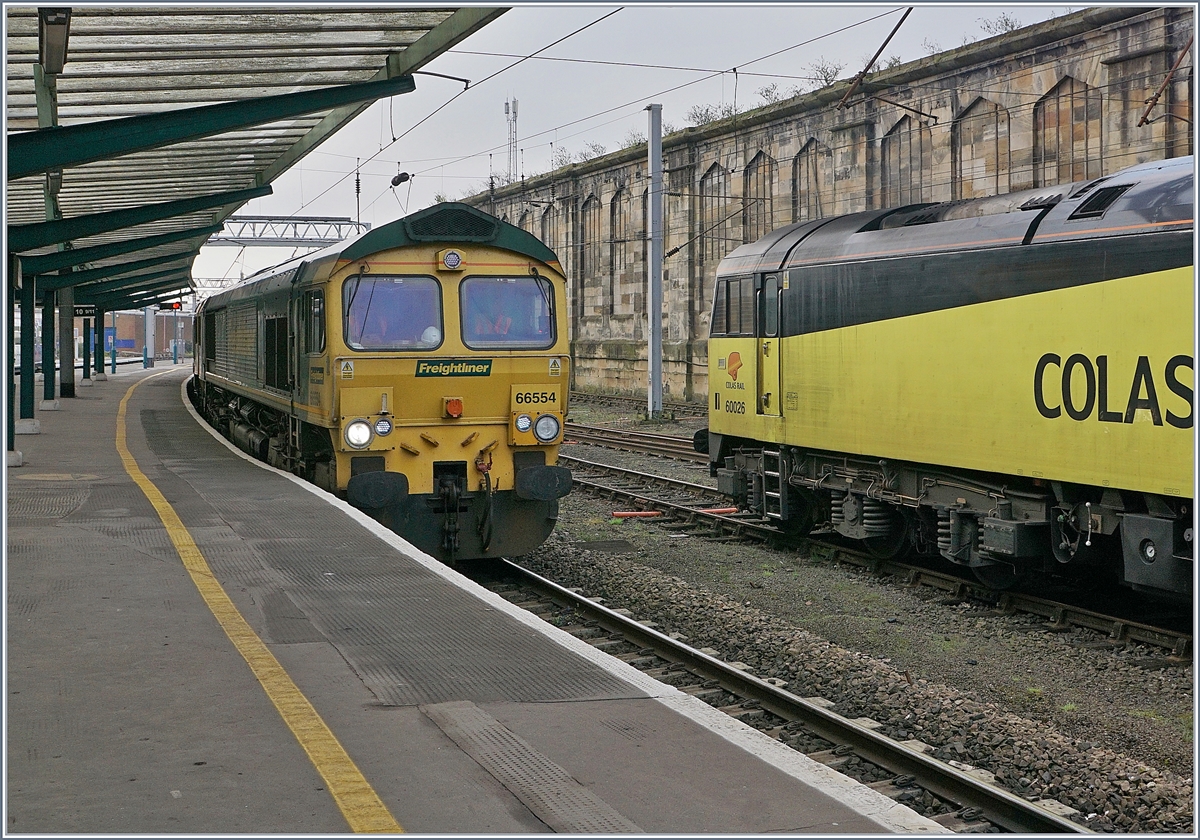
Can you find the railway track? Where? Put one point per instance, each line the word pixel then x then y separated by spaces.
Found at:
pixel 630 440
pixel 694 507
pixel 960 798
pixel 677 409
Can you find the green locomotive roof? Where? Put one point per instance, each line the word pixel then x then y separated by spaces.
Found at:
pixel 452 223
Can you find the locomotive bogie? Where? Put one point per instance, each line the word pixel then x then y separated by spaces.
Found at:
pixel 1011 389
pixel 424 383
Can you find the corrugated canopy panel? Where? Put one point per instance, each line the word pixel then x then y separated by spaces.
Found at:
pixel 135 61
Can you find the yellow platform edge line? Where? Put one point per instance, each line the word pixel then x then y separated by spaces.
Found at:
pixel 359 803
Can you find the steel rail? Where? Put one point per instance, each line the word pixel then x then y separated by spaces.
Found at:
pixel 672 446
pixel 998 806
pixel 682 408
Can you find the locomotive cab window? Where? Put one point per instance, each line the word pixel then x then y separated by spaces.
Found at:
pixel 312 311
pixel 507 312
pixel 392 313
pixel 733 307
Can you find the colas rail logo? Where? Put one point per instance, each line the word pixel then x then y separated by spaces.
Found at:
pixel 733 364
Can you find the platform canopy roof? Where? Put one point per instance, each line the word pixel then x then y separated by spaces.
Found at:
pixel 133 131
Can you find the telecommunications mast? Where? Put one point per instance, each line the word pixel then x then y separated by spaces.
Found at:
pixel 511 115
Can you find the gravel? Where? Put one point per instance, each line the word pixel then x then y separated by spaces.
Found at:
pixel 1056 715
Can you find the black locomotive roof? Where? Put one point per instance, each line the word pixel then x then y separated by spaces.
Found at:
pixel 1139 199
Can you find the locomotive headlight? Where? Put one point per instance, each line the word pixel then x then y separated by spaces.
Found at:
pixel 383 426
pixel 358 434
pixel 546 428
pixel 524 423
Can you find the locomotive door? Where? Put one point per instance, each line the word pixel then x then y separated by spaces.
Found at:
pixel 768 347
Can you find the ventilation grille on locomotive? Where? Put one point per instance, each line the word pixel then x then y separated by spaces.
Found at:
pixel 451 224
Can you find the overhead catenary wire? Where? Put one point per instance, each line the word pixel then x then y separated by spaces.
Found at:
pixel 640 100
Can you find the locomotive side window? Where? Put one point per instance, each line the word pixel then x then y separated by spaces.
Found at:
pixel 312 309
pixel 392 313
pixel 770 306
pixel 507 312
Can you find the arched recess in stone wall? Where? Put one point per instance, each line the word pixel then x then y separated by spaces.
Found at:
pixel 1067 142
pixel 590 243
pixel 620 272
pixel 523 221
pixel 715 228
pixel 758 187
pixel 549 226
pixel 979 141
pixel 812 182
pixel 906 155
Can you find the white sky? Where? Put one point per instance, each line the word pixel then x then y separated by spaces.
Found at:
pixel 572 104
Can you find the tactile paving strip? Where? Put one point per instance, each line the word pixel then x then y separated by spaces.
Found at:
pixel 546 789
pixel 44 501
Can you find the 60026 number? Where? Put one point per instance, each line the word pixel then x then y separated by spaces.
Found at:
pixel 735 407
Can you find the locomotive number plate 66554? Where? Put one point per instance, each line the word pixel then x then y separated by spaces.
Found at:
pixel 534 396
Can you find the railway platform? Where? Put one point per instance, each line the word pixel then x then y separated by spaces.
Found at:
pixel 200 644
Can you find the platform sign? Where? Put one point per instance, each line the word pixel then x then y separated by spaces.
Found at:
pixel 85 310
pixel 109 333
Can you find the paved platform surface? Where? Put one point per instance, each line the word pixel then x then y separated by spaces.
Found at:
pixel 130 710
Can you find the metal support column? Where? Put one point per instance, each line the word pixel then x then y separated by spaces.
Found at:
pixel 49 401
pixel 654 269
pixel 87 352
pixel 27 424
pixel 148 336
pixel 10 345
pixel 66 342
pixel 100 376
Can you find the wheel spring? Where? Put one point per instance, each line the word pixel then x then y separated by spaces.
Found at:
pixel 877 517
pixel 837 503
pixel 943 530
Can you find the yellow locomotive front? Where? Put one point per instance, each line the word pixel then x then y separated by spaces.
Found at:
pixel 429 369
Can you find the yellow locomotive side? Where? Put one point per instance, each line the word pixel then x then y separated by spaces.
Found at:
pixel 1064 385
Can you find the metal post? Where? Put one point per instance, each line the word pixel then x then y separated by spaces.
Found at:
pixel 87 352
pixel 174 336
pixel 114 347
pixel 28 384
pixel 10 344
pixel 654 271
pixel 66 341
pixel 99 377
pixel 148 336
pixel 49 403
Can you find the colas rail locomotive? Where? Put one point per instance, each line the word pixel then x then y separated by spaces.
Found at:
pixel 1007 381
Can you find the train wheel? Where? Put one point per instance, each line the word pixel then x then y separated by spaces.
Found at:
pixel 998 576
